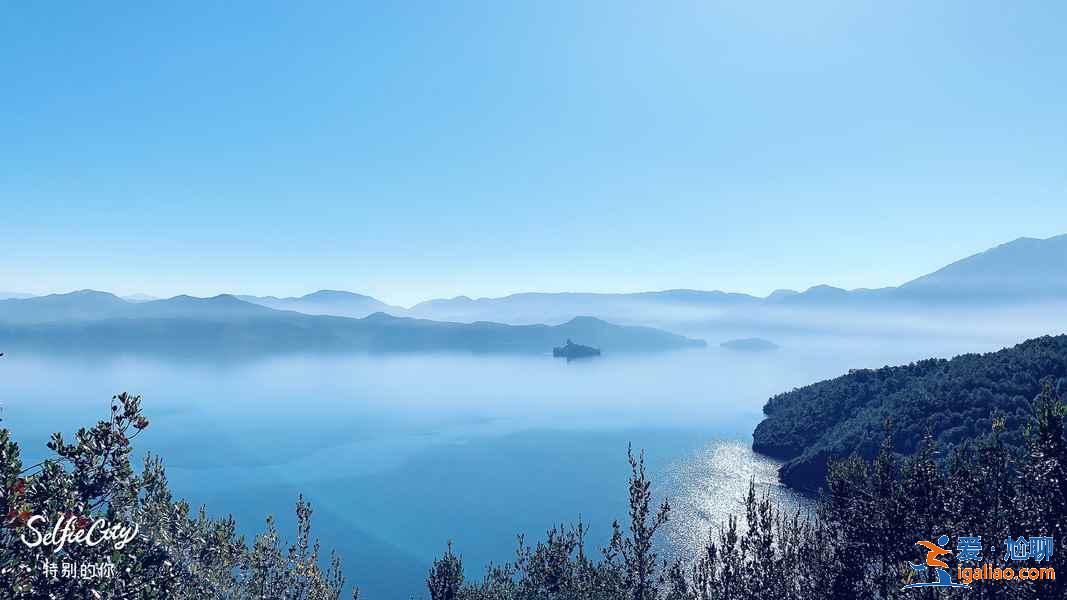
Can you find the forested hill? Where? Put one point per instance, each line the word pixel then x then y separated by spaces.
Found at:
pixel 953 399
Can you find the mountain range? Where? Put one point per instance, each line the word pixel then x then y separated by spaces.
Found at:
pixel 327 302
pixel 1023 270
pixel 1026 270
pixel 101 322
pixel 1017 276
pixel 1014 290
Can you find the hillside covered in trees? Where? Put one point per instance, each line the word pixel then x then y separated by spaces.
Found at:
pixel 952 400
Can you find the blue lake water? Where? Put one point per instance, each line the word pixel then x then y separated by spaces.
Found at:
pixel 400 454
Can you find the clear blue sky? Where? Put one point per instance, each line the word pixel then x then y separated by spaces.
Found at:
pixel 437 148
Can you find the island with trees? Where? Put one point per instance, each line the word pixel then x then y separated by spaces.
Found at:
pixel 571 351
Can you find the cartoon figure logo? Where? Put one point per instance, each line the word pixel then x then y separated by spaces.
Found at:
pixel 944 578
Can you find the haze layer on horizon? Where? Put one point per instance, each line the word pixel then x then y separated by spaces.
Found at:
pixel 412 152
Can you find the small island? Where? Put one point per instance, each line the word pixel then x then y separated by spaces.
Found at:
pixel 750 345
pixel 571 351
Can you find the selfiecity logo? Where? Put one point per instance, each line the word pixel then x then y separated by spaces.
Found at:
pixel 969 550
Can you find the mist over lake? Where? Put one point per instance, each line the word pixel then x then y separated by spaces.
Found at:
pixel 401 453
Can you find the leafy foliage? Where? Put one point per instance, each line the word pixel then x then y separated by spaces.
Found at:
pixel 176 554
pixel 952 400
pixel 559 567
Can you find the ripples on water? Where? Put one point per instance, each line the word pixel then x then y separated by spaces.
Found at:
pixel 710 485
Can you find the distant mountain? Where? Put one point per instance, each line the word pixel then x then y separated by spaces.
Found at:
pixel 1026 268
pixel 277 331
pixel 90 305
pixel 327 302
pixel 542 307
pixel 637 307
pixel 781 293
pixel 90 319
pixel 83 304
pixel 698 297
pixel 1011 278
pixel 14 295
pixel 1017 273
pixel 223 307
pixel 818 294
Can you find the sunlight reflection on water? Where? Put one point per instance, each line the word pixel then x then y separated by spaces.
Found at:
pixel 708 486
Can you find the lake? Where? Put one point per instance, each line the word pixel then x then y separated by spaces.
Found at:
pixel 401 453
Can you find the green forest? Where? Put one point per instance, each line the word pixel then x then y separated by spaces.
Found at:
pixel 950 400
